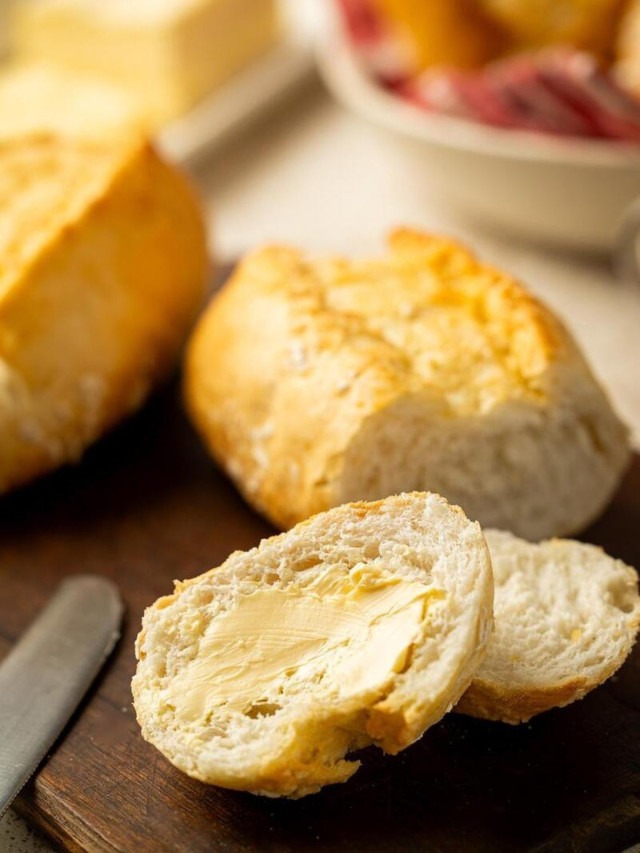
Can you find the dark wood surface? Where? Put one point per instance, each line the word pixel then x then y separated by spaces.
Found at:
pixel 146 506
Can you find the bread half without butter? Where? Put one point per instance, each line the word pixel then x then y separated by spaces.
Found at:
pixel 362 625
pixel 566 617
pixel 315 383
pixel 102 272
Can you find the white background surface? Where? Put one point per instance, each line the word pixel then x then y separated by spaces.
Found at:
pixel 317 177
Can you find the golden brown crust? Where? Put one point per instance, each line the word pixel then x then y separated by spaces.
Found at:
pixel 535 24
pixel 442 32
pixel 293 358
pixel 492 702
pixel 627 47
pixel 93 314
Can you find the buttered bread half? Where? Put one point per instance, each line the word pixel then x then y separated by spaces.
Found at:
pixel 315 383
pixel 102 271
pixel 362 625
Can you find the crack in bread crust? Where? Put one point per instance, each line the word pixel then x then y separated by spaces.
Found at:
pixel 319 382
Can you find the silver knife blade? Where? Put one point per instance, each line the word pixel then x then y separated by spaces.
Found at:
pixel 44 677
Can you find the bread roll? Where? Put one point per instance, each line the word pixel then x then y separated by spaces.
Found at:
pixel 566 617
pixel 103 271
pixel 584 24
pixel 627 66
pixel 317 383
pixel 453 33
pixel 361 625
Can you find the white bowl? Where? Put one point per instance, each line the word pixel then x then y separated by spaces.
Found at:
pixel 569 192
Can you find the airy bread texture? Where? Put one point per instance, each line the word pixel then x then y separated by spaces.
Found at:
pixel 402 593
pixel 566 617
pixel 103 271
pixel 317 383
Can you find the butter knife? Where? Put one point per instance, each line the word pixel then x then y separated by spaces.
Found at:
pixel 44 677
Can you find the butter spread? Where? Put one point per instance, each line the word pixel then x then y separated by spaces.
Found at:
pixel 346 635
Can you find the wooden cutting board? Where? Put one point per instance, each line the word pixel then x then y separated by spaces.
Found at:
pixel 147 506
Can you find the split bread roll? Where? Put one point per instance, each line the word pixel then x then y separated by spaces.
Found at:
pixel 317 383
pixel 361 625
pixel 102 272
pixel 566 617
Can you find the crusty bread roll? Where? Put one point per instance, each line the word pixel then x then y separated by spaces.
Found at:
pixel 531 24
pixel 317 383
pixel 627 66
pixel 361 625
pixel 566 616
pixel 103 265
pixel 453 33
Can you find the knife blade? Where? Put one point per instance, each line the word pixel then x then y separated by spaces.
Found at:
pixel 44 677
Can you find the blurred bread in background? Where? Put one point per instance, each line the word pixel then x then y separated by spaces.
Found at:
pixel 441 32
pixel 628 48
pixel 162 56
pixel 102 271
pixel 584 24
pixel 468 34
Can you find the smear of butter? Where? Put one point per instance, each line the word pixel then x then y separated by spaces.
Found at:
pixel 347 635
